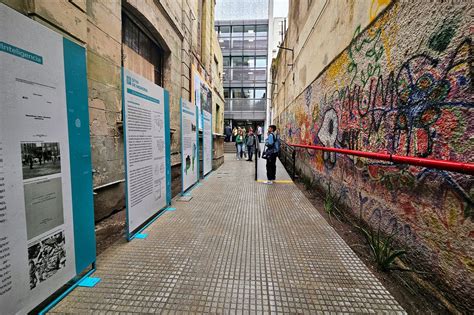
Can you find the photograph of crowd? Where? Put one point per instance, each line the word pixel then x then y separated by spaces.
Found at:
pixel 40 159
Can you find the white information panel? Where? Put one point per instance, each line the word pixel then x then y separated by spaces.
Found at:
pixel 207 142
pixel 189 145
pixel 37 237
pixel 145 142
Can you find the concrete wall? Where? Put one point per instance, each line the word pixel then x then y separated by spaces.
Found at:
pixel 402 85
pixel 97 24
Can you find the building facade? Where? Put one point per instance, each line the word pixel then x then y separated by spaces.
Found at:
pixel 160 40
pixel 244 45
pixel 398 80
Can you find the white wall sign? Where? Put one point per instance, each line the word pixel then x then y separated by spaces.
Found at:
pixel 44 242
pixel 189 145
pixel 147 142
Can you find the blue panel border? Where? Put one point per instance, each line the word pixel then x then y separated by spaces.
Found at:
pixel 198 147
pixel 167 147
pixel 181 140
pixel 124 123
pixel 80 154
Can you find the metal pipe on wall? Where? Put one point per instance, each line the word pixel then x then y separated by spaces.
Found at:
pixel 452 166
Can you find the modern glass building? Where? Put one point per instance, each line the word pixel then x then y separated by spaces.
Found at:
pixel 244 45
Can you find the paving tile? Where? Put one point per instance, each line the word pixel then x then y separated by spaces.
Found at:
pixel 238 247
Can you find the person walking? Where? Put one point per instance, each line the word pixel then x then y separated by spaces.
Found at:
pixel 234 134
pixel 251 142
pixel 228 133
pixel 244 138
pixel 271 153
pixel 259 133
pixel 239 142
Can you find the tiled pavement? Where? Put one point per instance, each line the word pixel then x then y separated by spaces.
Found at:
pixel 237 247
pixel 281 175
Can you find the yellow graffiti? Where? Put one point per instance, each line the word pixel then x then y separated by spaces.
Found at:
pixel 338 67
pixel 376 7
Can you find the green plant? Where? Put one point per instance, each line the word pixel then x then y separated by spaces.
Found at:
pixel 381 248
pixel 330 203
pixel 307 181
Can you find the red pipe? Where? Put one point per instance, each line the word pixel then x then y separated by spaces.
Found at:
pixel 465 168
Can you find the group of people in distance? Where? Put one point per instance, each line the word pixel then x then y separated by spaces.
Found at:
pixel 247 144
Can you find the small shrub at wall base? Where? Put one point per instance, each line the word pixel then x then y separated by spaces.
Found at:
pixel 330 203
pixel 382 250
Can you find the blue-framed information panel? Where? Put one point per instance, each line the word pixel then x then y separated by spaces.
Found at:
pixel 147 149
pixel 189 144
pixel 47 233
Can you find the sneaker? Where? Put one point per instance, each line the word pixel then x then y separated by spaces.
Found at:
pixel 268 182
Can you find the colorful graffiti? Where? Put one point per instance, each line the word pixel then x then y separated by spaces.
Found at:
pixel 403 89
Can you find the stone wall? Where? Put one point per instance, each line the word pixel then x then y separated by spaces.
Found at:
pixel 404 85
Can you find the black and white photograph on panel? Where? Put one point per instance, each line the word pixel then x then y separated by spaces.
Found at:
pixel 46 257
pixel 40 159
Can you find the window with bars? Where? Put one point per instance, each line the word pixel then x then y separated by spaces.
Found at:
pixel 143 55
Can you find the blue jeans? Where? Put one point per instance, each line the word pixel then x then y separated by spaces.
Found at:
pixel 240 150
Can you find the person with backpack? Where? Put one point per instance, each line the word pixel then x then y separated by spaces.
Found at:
pixel 272 147
pixel 250 142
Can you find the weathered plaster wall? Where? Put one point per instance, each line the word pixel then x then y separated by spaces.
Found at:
pixel 403 86
pixel 318 32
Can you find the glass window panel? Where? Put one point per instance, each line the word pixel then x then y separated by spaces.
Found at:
pixel 237 93
pixel 249 30
pixel 237 43
pixel 260 93
pixel 237 30
pixel 226 61
pixel 226 93
pixel 262 30
pixel 224 31
pixel 248 75
pixel 249 44
pixel 226 75
pixel 260 61
pixel 249 62
pixel 224 43
pixel 248 92
pixel 236 61
pixel 238 74
pixel 260 75
pixel 261 43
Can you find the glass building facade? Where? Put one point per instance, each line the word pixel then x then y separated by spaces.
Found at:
pixel 244 46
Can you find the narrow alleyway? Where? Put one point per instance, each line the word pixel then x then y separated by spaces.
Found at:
pixel 238 246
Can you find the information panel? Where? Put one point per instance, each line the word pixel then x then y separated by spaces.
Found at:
pixel 207 142
pixel 46 205
pixel 189 145
pixel 201 96
pixel 147 148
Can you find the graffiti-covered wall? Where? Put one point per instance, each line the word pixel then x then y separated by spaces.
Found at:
pixel 403 86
